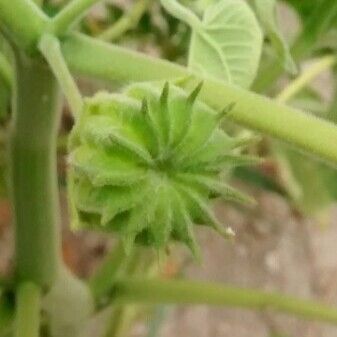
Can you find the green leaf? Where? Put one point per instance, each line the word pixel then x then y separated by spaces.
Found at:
pixel 227 43
pixel 266 13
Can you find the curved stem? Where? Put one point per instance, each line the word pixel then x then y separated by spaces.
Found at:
pixel 181 13
pixel 306 77
pixel 98 59
pixel 28 302
pixel 33 176
pixel 192 292
pixel 128 21
pixel 70 15
pixel 50 48
pixel 113 265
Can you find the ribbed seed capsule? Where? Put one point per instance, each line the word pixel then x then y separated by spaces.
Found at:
pixel 146 164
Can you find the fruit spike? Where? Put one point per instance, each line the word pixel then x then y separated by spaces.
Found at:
pixel 147 163
pixel 195 93
pixel 226 111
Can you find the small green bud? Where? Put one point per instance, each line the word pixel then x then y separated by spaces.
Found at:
pixel 147 163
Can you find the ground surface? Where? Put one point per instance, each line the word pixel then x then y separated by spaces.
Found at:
pixel 274 250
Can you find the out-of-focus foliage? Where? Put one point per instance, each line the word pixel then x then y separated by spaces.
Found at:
pixel 266 12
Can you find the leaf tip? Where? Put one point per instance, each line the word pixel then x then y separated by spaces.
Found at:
pixel 194 93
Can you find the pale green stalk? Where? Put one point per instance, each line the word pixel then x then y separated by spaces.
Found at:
pixel 70 15
pixel 181 13
pixel 279 152
pixel 111 63
pixel 192 292
pixel 114 263
pixel 306 77
pixel 121 320
pixel 28 306
pixel 128 21
pixel 50 48
pixel 100 60
pixel 32 172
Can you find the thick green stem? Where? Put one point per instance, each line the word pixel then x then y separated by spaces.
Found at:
pixel 70 15
pixel 28 302
pixel 192 292
pixel 98 59
pixel 33 176
pixel 23 21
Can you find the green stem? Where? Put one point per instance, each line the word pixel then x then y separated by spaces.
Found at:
pixel 70 15
pixel 50 48
pixel 33 176
pixel 121 321
pixel 113 265
pixel 128 21
pixel 23 21
pixel 192 292
pixel 306 77
pixel 28 302
pixel 98 59
pixel 141 263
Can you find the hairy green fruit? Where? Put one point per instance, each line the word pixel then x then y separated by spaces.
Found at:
pixel 146 164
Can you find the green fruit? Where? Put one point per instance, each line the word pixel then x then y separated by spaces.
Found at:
pixel 147 163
